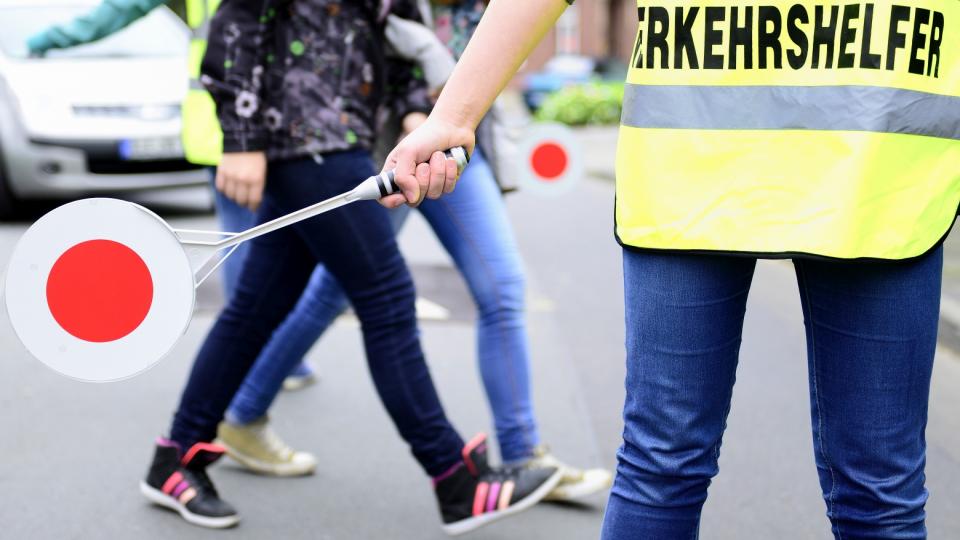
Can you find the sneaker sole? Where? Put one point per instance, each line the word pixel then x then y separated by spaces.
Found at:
pixel 260 467
pixel 162 499
pixel 472 523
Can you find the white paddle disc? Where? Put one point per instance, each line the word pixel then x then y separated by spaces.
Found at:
pixel 99 289
pixel 551 159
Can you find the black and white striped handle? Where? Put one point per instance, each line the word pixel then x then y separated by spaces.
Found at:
pixel 383 184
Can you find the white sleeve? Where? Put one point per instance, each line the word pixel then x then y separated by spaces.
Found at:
pixel 417 43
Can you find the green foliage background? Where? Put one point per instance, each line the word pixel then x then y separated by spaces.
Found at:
pixel 594 103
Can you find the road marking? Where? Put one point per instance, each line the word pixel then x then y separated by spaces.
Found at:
pixel 426 311
pixel 431 311
pixel 950 310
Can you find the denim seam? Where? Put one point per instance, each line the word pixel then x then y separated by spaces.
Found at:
pixel 363 250
pixel 411 398
pixel 276 270
pixel 730 384
pixel 816 391
pixel 442 203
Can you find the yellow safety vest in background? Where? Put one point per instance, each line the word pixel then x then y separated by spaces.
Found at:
pixel 780 128
pixel 202 138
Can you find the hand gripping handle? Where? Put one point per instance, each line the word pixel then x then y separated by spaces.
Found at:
pixel 202 251
pixel 383 184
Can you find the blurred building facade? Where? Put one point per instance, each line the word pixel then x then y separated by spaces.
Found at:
pixel 597 28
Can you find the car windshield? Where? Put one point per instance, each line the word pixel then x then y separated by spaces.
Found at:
pixel 159 34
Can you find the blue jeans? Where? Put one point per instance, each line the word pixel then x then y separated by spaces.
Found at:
pixel 294 332
pixel 233 218
pixel 472 225
pixel 871 334
pixel 358 246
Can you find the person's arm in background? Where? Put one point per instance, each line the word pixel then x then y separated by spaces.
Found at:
pixel 407 95
pixel 416 42
pixel 109 17
pixel 232 71
pixel 417 53
pixel 505 37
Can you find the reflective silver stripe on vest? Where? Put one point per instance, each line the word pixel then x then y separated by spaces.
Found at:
pixel 828 108
pixel 200 33
pixel 203 30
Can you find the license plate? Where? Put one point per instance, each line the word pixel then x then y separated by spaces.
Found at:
pixel 149 149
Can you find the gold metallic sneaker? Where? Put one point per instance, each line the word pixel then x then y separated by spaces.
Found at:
pixel 258 448
pixel 574 483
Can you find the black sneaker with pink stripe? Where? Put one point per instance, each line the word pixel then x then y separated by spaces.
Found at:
pixel 180 483
pixel 472 494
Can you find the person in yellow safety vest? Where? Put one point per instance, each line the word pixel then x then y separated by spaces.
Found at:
pixel 202 139
pixel 828 134
pixel 201 135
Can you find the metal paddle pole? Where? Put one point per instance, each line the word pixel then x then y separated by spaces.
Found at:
pixel 202 252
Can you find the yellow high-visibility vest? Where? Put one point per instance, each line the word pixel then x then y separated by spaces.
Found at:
pixel 202 138
pixel 782 128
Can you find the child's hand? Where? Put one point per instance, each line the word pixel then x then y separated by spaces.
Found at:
pixel 241 176
pixel 412 121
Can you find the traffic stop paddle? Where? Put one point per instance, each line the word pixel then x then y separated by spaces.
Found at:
pixel 102 289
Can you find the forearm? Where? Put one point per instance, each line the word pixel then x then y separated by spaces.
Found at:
pixel 107 18
pixel 506 35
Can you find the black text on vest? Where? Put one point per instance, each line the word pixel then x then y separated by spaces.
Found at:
pixel 802 36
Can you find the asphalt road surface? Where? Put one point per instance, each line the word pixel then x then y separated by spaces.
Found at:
pixel 71 454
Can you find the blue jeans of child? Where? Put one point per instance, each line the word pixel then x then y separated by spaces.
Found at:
pixel 232 218
pixel 473 226
pixel 357 245
pixel 871 334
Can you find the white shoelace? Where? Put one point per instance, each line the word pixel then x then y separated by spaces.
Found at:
pixel 272 442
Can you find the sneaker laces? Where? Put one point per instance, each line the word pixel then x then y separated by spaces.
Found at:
pixel 272 442
pixel 542 457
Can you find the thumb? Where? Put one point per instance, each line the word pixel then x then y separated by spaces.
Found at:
pixel 391 162
pixel 404 172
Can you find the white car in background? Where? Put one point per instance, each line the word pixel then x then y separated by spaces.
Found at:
pixel 102 118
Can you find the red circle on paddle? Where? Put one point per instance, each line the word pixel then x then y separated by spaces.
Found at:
pixel 549 160
pixel 99 291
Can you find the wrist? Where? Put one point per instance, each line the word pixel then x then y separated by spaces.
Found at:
pixel 456 116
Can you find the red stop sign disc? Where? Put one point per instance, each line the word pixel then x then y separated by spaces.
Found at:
pixel 552 159
pixel 99 291
pixel 549 161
